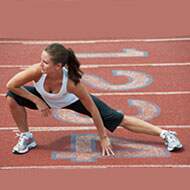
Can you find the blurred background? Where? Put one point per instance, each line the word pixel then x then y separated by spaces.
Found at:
pixel 93 19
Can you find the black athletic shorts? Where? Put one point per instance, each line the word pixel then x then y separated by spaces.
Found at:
pixel 111 117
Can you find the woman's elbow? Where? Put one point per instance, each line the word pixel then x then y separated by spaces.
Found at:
pixel 10 85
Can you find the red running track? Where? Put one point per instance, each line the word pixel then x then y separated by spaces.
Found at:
pixel 141 150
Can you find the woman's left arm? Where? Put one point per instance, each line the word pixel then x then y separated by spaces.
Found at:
pixel 80 91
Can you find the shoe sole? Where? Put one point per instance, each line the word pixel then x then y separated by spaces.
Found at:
pixel 176 148
pixel 31 146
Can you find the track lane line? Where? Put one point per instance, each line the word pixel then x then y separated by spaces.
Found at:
pixel 8 66
pixel 71 167
pixel 43 42
pixel 81 128
pixel 134 93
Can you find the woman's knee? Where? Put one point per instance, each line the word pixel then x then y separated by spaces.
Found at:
pixel 124 121
pixel 11 101
pixel 128 120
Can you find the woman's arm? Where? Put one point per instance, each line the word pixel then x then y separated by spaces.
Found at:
pixel 81 91
pixel 15 84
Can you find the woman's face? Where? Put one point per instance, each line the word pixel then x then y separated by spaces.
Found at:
pixel 47 65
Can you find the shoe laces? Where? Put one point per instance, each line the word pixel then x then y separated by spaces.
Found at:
pixel 21 139
pixel 171 137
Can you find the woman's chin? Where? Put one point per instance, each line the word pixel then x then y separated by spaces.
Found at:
pixel 42 71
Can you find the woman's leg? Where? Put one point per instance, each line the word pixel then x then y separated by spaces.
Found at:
pixel 19 114
pixel 139 126
pixel 26 140
pixel 18 105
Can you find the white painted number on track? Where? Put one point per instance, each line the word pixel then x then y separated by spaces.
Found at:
pixel 136 80
pixel 145 110
pixel 84 149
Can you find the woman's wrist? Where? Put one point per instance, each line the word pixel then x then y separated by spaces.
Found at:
pixel 103 137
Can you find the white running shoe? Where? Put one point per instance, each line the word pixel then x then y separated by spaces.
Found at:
pixel 171 140
pixel 25 143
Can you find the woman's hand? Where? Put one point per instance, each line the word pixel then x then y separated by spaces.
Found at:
pixel 106 146
pixel 43 108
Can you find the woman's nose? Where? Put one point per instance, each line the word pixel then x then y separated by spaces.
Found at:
pixel 41 63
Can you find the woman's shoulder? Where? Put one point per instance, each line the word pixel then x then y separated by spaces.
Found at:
pixel 76 88
pixel 36 70
pixel 35 66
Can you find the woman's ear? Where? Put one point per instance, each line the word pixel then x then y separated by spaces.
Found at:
pixel 58 66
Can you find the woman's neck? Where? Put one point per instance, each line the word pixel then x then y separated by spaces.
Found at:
pixel 56 75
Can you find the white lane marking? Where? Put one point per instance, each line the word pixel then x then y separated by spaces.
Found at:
pixel 82 128
pixel 123 53
pixel 135 65
pixel 71 167
pixel 111 65
pixel 44 42
pixel 140 93
pixel 66 128
pixel 135 93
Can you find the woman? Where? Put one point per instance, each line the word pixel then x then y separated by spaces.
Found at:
pixel 57 84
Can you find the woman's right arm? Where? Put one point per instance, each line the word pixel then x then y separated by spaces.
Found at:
pixel 15 84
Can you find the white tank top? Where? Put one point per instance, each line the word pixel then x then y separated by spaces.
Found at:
pixel 60 99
